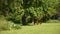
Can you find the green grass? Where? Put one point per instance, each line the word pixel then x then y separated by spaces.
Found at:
pixel 53 21
pixel 45 28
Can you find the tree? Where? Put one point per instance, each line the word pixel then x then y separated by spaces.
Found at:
pixel 33 10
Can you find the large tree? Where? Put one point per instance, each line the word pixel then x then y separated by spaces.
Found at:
pixel 30 10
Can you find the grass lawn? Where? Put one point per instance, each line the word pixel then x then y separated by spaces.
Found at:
pixel 45 28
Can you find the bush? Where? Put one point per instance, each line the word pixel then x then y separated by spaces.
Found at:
pixel 8 25
pixel 53 21
pixel 16 26
pixel 5 25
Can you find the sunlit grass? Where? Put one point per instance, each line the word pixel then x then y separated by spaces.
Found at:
pixel 45 28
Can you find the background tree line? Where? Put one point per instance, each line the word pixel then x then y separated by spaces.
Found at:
pixel 26 11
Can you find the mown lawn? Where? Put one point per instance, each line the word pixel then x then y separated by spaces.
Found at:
pixel 45 28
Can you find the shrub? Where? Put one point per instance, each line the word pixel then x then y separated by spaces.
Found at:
pixel 16 26
pixel 8 25
pixel 53 21
pixel 5 25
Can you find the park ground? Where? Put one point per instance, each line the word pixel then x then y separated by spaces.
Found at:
pixel 44 28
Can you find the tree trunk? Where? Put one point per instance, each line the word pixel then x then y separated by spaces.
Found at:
pixel 24 20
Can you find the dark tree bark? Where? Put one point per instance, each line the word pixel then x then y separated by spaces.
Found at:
pixel 24 20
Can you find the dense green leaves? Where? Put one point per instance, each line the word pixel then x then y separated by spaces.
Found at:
pixel 15 9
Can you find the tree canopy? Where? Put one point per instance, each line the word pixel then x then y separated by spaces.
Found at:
pixel 14 10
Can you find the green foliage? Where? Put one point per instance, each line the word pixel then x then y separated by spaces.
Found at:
pixel 16 26
pixel 41 8
pixel 14 10
pixel 53 21
pixel 5 25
